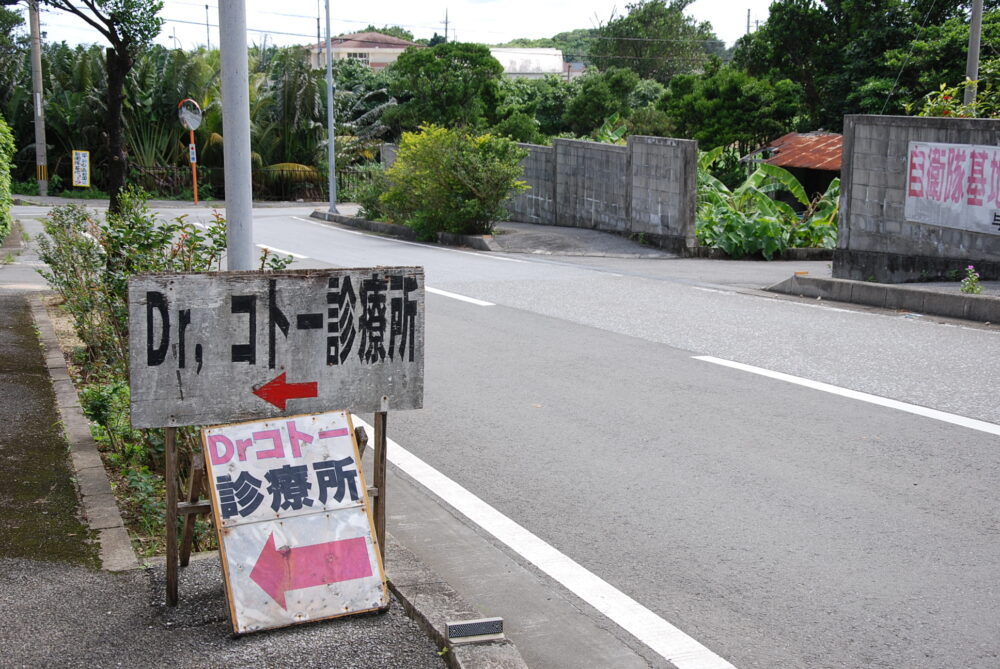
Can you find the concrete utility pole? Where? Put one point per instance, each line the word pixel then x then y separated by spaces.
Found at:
pixel 972 61
pixel 41 160
pixel 236 121
pixel 330 126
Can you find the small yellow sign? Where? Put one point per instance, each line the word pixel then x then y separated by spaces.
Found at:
pixel 81 169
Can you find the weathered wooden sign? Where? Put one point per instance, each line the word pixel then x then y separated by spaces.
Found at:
pixel 954 185
pixel 220 347
pixel 294 521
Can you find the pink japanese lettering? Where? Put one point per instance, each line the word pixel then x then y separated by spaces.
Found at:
pixel 296 439
pixel 275 436
pixel 936 167
pixel 918 163
pixel 977 178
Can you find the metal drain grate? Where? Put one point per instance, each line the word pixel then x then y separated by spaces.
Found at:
pixel 470 631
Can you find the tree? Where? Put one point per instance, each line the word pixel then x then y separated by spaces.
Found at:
pixel 600 95
pixel 13 46
pixel 391 31
pixel 451 84
pixel 836 49
pixel 655 39
pixel 727 106
pixel 129 26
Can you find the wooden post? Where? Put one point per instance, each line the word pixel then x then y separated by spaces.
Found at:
pixel 378 466
pixel 170 454
pixel 197 481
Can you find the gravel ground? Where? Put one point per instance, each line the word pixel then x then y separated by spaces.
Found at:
pixel 66 616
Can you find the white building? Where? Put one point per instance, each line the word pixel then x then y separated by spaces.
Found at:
pixel 530 63
pixel 373 49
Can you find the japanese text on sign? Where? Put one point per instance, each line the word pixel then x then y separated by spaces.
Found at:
pixel 954 185
pixel 293 519
pixel 81 168
pixel 212 348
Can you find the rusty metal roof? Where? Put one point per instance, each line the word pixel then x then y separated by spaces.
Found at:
pixel 812 150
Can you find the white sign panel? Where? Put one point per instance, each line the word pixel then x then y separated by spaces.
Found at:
pixel 192 154
pixel 293 516
pixel 214 348
pixel 954 185
pixel 81 168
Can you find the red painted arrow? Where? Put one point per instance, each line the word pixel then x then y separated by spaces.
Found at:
pixel 278 571
pixel 277 392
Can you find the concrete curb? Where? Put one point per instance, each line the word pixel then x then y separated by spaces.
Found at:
pixel 479 242
pixel 982 308
pixel 433 603
pixel 96 496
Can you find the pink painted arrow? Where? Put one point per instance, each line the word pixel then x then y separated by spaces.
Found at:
pixel 277 391
pixel 278 571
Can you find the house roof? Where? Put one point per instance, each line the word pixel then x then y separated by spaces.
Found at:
pixel 812 150
pixel 370 40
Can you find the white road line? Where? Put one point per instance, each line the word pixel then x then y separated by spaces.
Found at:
pixel 272 249
pixel 954 419
pixel 456 296
pixel 423 246
pixel 633 617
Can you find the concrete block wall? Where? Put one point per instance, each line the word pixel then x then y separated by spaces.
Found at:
pixel 537 204
pixel 664 189
pixel 592 189
pixel 875 241
pixel 647 187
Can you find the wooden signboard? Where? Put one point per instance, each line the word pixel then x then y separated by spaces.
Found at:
pixel 294 521
pixel 214 348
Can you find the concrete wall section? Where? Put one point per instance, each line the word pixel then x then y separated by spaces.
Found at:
pixel 876 241
pixel 592 188
pixel 537 204
pixel 663 195
pixel 646 188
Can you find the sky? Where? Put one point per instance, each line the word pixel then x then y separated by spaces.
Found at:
pixel 486 21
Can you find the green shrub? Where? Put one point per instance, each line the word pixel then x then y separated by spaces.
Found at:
pixel 368 193
pixel 6 155
pixel 452 181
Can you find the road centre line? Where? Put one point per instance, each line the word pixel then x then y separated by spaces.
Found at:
pixel 456 296
pixel 273 249
pixel 423 246
pixel 954 419
pixel 673 644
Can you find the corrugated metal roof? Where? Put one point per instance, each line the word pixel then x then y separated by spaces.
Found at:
pixel 813 150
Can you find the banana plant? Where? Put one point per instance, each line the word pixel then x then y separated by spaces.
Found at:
pixel 749 220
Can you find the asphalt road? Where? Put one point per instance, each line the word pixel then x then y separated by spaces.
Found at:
pixel 779 525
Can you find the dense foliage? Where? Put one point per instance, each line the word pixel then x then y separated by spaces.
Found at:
pixel 89 261
pixel 6 153
pixel 655 39
pixel 451 84
pixel 451 181
pixel 750 220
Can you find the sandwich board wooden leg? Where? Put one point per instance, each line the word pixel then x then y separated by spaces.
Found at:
pixel 378 467
pixel 197 483
pixel 170 455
